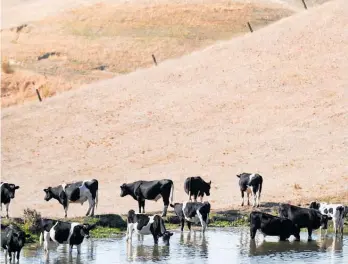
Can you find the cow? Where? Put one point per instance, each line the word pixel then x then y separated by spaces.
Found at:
pixel 75 192
pixel 7 193
pixel 149 190
pixel 333 211
pixel 196 186
pixel 304 217
pixel 272 226
pixel 12 240
pixel 147 225
pixel 250 183
pixel 192 212
pixel 60 232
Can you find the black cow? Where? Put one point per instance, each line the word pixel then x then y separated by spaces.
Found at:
pixel 13 240
pixel 76 192
pixel 7 193
pixel 196 186
pixel 149 190
pixel 64 233
pixel 308 218
pixel 147 225
pixel 192 212
pixel 272 226
pixel 251 183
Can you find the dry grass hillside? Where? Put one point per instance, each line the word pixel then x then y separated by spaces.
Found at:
pixel 273 101
pixel 103 40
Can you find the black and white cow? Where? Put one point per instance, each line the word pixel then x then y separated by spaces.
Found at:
pixel 308 218
pixel 149 190
pixel 13 240
pixel 64 233
pixel 334 212
pixel 7 193
pixel 272 226
pixel 192 212
pixel 76 192
pixel 196 186
pixel 251 183
pixel 147 225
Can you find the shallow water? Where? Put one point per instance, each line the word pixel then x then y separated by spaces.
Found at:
pixel 231 245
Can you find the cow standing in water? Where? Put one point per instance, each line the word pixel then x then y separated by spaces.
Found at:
pixel 147 225
pixel 76 192
pixel 149 190
pixel 196 187
pixel 251 183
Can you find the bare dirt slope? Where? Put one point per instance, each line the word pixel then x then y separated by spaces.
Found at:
pixel 103 40
pixel 273 102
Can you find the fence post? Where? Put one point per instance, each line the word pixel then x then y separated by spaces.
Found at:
pixel 250 28
pixel 38 95
pixel 154 59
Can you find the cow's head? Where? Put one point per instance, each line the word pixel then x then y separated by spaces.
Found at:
pixel 11 188
pixel 166 237
pixel 124 190
pixel 85 228
pixel 207 188
pixel 314 205
pixel 323 221
pixel 49 194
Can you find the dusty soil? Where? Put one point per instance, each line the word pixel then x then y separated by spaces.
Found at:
pixel 272 102
pixel 103 40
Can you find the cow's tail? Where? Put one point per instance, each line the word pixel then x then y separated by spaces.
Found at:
pixel 96 199
pixel 260 189
pixel 41 238
pixel 172 193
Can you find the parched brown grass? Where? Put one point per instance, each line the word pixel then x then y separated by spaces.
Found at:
pixel 121 38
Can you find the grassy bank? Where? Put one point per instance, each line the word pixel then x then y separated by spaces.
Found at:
pixel 110 225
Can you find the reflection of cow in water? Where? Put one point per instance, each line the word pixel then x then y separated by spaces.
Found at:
pixel 331 244
pixel 147 253
pixel 196 244
pixel 266 248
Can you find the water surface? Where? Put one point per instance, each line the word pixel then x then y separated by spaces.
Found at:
pixel 231 245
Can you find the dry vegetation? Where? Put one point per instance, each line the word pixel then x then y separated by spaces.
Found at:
pixel 105 40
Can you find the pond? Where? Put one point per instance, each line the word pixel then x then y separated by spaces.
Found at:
pixel 228 245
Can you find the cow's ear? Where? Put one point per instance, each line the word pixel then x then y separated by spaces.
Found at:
pixel 210 183
pixel 238 175
pixel 17 187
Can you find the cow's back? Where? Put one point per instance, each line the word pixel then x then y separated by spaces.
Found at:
pixel 193 184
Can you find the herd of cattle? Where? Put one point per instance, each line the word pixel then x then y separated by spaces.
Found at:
pixel 289 222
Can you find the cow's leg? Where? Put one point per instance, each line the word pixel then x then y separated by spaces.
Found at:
pixel 70 248
pixel 46 240
pixel 253 230
pixel 189 225
pixel 143 205
pixel 182 224
pixel 201 198
pixel 309 233
pixel 6 254
pixel 7 206
pixel 66 207
pixel 165 203
pixel 335 226
pixel 242 198
pixel 130 233
pixel 139 204
pixel 78 249
pixel 203 224
pixel 18 254
pixel 91 203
